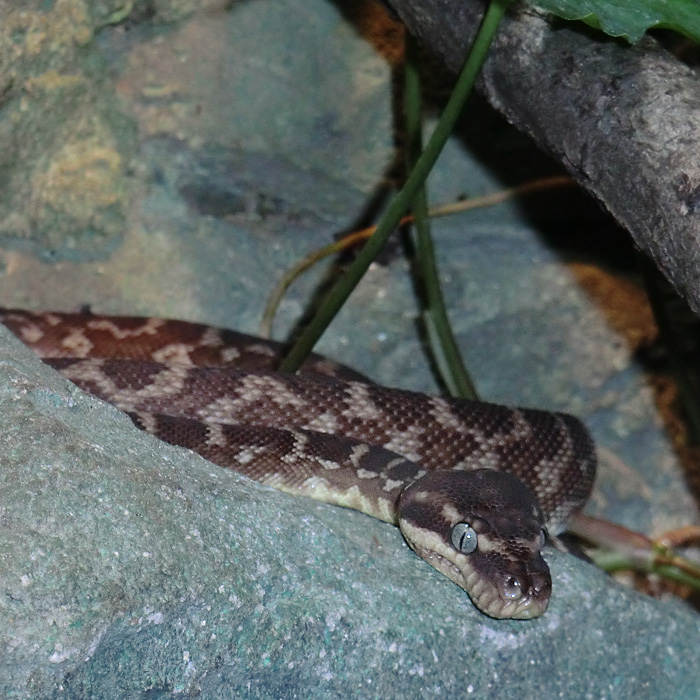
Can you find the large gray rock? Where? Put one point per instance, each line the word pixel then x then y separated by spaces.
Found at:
pixel 133 569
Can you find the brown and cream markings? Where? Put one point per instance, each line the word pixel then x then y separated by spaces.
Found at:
pixel 474 487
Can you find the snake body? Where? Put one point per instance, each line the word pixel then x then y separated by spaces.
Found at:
pixel 475 487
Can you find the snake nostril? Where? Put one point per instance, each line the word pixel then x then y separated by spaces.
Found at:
pixel 541 584
pixel 512 588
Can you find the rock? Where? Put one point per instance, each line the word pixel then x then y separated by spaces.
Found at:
pixel 135 569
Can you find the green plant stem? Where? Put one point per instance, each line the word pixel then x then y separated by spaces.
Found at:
pixel 616 561
pixel 402 201
pixel 441 340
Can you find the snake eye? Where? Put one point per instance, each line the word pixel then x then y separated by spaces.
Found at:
pixel 543 539
pixel 464 538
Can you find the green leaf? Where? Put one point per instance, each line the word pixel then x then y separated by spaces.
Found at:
pixel 630 18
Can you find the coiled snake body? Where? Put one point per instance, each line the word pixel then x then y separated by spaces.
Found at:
pixel 474 487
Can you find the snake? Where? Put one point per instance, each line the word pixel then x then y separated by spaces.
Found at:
pixel 477 489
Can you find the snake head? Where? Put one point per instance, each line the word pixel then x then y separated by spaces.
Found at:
pixel 484 530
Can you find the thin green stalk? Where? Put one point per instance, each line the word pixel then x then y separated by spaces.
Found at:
pixel 441 340
pixel 618 561
pixel 402 201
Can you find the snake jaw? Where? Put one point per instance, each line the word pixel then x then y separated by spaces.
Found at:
pixel 489 587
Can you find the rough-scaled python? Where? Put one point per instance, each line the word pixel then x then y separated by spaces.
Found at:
pixel 474 487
